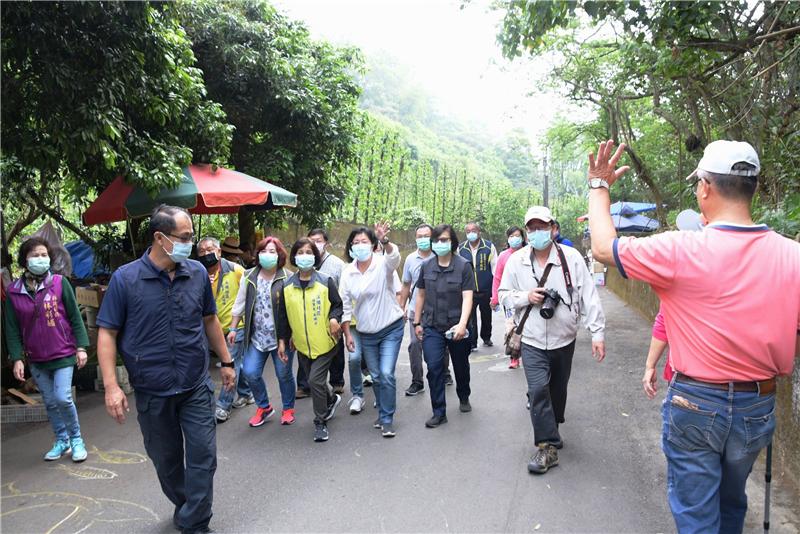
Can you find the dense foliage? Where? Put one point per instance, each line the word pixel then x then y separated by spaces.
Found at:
pixel 669 77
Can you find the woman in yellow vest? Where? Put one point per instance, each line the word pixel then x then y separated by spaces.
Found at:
pixel 309 310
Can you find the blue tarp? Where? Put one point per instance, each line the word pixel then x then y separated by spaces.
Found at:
pixel 634 223
pixel 630 208
pixel 82 259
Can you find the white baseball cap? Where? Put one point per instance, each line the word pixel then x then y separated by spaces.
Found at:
pixel 540 213
pixel 719 157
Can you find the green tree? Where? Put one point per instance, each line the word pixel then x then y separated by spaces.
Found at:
pixel 92 90
pixel 292 100
pixel 668 77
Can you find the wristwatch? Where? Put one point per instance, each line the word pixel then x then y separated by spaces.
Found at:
pixel 385 240
pixel 416 324
pixel 597 183
pixel 227 364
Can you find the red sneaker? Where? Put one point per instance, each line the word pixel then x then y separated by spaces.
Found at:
pixel 287 417
pixel 261 416
pixel 514 364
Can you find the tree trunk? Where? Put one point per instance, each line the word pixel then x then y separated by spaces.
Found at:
pixel 247 228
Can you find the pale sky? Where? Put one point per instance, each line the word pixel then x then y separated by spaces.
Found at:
pixel 451 51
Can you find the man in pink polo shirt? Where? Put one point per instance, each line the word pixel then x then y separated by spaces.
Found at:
pixel 731 298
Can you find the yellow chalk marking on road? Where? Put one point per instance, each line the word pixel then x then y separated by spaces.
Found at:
pixel 87 472
pixel 485 358
pixel 116 457
pixel 79 512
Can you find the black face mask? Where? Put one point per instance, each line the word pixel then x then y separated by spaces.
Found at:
pixel 208 260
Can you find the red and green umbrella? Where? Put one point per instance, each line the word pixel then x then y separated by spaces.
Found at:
pixel 202 190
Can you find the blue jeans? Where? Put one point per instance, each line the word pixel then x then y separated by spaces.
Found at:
pixel 434 348
pixel 381 350
pixel 253 369
pixel 56 388
pixel 711 439
pixel 180 437
pixel 242 388
pixel 354 366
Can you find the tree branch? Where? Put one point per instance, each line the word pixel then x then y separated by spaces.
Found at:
pixel 22 223
pixel 37 200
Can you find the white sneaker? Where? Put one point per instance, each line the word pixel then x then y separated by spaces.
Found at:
pixel 356 405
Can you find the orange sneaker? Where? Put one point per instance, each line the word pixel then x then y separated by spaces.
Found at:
pixel 261 416
pixel 514 364
pixel 287 417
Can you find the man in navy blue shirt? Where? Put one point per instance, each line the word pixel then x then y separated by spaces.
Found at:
pixel 159 313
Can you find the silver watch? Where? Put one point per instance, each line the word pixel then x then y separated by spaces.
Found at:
pixel 597 183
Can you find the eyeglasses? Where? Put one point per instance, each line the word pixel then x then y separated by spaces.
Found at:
pixel 183 238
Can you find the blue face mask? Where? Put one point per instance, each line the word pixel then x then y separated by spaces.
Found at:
pixel 540 239
pixel 472 237
pixel 361 251
pixel 268 260
pixel 515 241
pixel 304 262
pixel 442 248
pixel 39 265
pixel 424 243
pixel 180 251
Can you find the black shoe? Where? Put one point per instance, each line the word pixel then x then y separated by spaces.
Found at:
pixel 377 423
pixel 414 389
pixel 387 430
pixel 558 444
pixel 464 406
pixel 435 421
pixel 528 404
pixel 338 388
pixel 543 459
pixel 332 408
pixel 320 432
pixel 488 343
pixel 302 393
pixel 448 380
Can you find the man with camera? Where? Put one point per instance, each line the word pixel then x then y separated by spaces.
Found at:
pixel 550 289
pixel 731 302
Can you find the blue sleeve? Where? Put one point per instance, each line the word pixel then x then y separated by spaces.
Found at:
pixel 113 310
pixel 209 304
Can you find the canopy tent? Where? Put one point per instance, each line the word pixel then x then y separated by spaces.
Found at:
pixel 202 190
pixel 625 208
pixel 634 223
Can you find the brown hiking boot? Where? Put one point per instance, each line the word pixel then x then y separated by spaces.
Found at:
pixel 545 457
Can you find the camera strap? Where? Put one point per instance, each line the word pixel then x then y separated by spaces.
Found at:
pixel 565 269
pixel 539 283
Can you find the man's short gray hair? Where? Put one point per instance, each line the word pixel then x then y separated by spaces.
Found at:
pixel 214 241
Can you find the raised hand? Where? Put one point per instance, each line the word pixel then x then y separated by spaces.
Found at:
pixel 382 230
pixel 604 166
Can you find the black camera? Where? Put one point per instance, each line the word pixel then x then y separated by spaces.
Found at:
pixel 551 300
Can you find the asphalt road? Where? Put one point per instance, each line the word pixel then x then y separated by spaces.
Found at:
pixel 467 476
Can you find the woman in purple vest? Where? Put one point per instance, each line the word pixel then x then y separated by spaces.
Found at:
pixel 42 322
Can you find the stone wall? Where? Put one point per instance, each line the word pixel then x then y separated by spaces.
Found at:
pixel 786 443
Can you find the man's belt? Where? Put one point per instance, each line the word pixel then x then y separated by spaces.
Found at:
pixel 764 387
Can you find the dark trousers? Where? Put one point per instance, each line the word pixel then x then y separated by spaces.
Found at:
pixel 480 301
pixel 337 366
pixel 434 349
pixel 547 373
pixel 317 372
pixel 336 370
pixel 180 438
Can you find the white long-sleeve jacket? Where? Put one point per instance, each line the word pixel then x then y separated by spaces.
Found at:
pixel 560 330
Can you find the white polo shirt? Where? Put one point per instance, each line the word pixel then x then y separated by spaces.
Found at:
pixel 371 295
